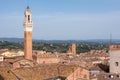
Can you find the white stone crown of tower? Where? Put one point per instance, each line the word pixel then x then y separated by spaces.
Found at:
pixel 28 24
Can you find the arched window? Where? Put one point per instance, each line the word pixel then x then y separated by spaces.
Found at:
pixel 28 17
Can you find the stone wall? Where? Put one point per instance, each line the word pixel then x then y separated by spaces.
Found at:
pixel 114 59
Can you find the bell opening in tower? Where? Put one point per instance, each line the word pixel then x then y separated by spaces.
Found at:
pixel 28 17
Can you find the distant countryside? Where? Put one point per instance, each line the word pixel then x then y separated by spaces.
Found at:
pixel 60 46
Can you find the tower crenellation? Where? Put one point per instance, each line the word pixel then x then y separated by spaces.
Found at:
pixel 114 47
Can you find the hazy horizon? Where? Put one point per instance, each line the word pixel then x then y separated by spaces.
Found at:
pixel 53 39
pixel 63 19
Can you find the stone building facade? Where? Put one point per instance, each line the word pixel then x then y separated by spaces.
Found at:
pixel 45 58
pixel 108 76
pixel 114 58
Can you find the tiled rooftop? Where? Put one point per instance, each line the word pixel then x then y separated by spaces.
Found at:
pixel 40 72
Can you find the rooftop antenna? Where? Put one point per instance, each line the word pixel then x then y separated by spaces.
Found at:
pixel 110 39
pixel 27 3
pixel 110 42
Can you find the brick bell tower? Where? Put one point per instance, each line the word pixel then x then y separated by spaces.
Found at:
pixel 28 27
pixel 73 48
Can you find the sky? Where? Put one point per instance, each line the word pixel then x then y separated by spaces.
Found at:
pixel 62 19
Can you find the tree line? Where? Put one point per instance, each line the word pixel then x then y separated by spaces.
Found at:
pixel 55 47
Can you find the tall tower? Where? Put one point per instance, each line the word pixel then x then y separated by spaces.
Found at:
pixel 73 48
pixel 28 27
pixel 114 51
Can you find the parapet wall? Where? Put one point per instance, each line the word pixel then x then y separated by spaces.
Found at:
pixel 114 47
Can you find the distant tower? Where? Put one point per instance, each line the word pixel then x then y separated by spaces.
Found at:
pixel 28 27
pixel 114 51
pixel 72 49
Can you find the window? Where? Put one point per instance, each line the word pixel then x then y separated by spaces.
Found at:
pixel 116 64
pixel 28 17
pixel 111 76
pixel 118 76
pixel 1 58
